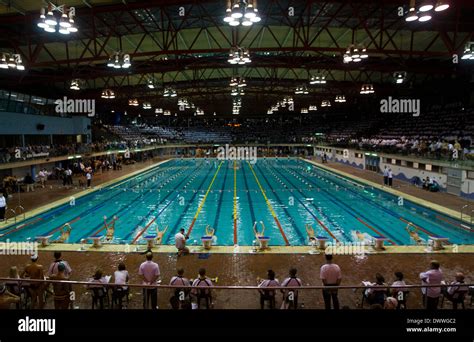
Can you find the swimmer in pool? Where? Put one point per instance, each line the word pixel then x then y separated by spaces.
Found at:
pixel 65 233
pixel 159 235
pixel 413 233
pixel 310 232
pixel 110 229
pixel 209 231
pixel 360 236
pixel 258 234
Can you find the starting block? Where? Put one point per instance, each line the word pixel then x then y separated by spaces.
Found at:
pixel 379 241
pixel 263 241
pixel 95 241
pixel 206 242
pixel 150 241
pixel 322 242
pixel 44 240
pixel 438 242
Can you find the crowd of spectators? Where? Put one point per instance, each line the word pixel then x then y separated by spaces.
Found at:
pixel 197 293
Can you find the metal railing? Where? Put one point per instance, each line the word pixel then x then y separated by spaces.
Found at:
pixel 358 290
pixel 13 216
pixel 21 210
pixel 462 211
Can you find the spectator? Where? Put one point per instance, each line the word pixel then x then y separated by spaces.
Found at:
pixel 89 178
pixel 290 296
pixel 390 177
pixel 150 273
pixel 377 292
pixel 180 300
pixel 35 289
pixel 390 303
pixel 330 275
pixel 30 183
pixel 62 291
pixel 3 206
pixel 53 268
pixel 457 290
pixel 7 298
pixel 99 288
pixel 180 242
pixel 385 176
pixel 121 277
pixel 433 276
pixel 43 176
pixel 268 294
pixel 199 293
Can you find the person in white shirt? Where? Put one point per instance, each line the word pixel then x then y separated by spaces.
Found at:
pixel 457 290
pixel 43 175
pixel 385 175
pixel 399 289
pixel 433 276
pixel 121 277
pixel 150 273
pixel 290 296
pixel 330 275
pixel 202 281
pixel 3 206
pixel 180 300
pixel 390 177
pixel 89 179
pixel 53 268
pixel 268 294
pixel 180 243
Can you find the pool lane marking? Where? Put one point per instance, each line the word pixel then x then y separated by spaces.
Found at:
pixel 310 212
pixel 394 214
pixel 162 209
pixel 418 227
pixel 269 205
pixel 190 228
pixel 219 202
pixel 235 202
pixel 283 207
pixel 455 224
pixel 375 230
pixel 20 227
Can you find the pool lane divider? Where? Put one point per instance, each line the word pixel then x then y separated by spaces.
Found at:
pixel 457 225
pixel 20 227
pixel 127 207
pixel 190 228
pixel 162 209
pixel 269 206
pixel 219 202
pixel 235 202
pixel 335 200
pixel 375 230
pixel 288 214
pixel 115 218
pixel 390 212
pixel 312 214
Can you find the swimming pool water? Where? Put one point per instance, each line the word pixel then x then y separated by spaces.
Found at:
pixel 282 195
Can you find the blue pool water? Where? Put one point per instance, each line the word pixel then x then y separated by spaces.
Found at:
pixel 284 195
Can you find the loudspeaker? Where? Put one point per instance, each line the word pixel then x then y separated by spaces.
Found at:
pixel 40 127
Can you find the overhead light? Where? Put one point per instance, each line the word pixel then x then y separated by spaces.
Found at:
pixel 119 60
pixel 313 108
pixel 108 94
pixel 146 105
pixel 399 76
pixel 304 110
pixel 75 85
pixel 150 84
pixel 424 17
pixel 426 5
pixel 468 51
pixel 319 78
pixel 64 21
pixel 243 13
pixel 238 55
pixel 441 6
pixel 301 90
pixel 367 89
pixel 64 30
pixel 325 103
pixel 159 110
pixel 50 19
pixel 355 53
pixel 411 16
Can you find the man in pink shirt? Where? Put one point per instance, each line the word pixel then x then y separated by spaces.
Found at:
pixel 150 273
pixel 330 276
pixel 433 276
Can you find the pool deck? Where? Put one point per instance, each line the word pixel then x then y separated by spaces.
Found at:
pixel 57 195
